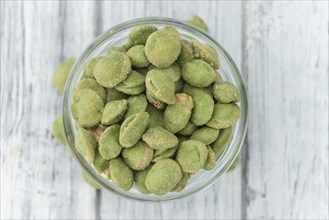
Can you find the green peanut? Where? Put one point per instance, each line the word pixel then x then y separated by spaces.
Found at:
pixel 193 91
pixel 136 104
pixel 182 183
pixel 206 53
pixel 188 130
pixel 211 159
pixel 61 74
pixel 187 53
pixel 203 109
pixel 192 156
pixel 88 69
pixel 159 138
pixel 89 83
pixel 137 56
pixel 198 73
pixel 226 92
pixel 224 138
pixel 140 177
pixel 116 49
pixel 86 144
pixel 206 135
pixel 139 35
pixel 121 174
pixel 114 112
pixel 100 164
pixel 58 129
pixel 97 131
pixel 156 116
pixel 163 176
pixel 109 146
pixel 113 94
pixel 168 153
pixel 133 128
pixel 173 71
pixel 139 156
pixel 134 84
pixel 198 22
pixel 155 102
pixel 224 116
pixel 176 116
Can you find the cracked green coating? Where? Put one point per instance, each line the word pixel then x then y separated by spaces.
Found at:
pixel 136 104
pixel 206 53
pixel 109 146
pixel 139 35
pixel 134 84
pixel 88 69
pixel 159 138
pixel 86 144
pixel 121 175
pixel 205 134
pixel 61 73
pixel 139 156
pixel 114 112
pixel 137 56
pixel 226 92
pixel 224 116
pixel 198 73
pixel 155 102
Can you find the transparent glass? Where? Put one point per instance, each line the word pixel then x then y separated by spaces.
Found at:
pixel 117 35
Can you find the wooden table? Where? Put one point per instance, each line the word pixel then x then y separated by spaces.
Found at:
pixel 281 49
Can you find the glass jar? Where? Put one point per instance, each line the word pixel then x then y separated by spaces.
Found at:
pixel 118 35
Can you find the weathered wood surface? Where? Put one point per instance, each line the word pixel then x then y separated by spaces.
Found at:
pixel 281 49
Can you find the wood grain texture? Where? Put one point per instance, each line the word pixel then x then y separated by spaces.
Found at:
pixel 282 51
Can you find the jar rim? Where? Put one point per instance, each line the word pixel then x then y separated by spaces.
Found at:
pixel 231 151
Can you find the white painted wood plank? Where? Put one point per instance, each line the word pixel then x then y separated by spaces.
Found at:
pixel 223 199
pixel 39 180
pixel 286 59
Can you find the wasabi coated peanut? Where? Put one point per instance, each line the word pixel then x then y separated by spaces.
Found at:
pixel 163 47
pixel 224 138
pixel 224 116
pixel 192 155
pixel 115 49
pixel 86 144
pixel 156 116
pixel 173 71
pixel 140 177
pixel 61 74
pixel 139 35
pixel 58 129
pixel 113 94
pixel 136 104
pixel 188 130
pixel 89 83
pixel 176 116
pixel 139 156
pixel 88 108
pixel 205 134
pixel 198 22
pixel 198 73
pixel 114 112
pixel 88 69
pixel 121 174
pixel 112 70
pixel 163 176
pixel 168 153
pixel 226 92
pixel 160 86
pixel 133 128
pixel 134 84
pixel 234 164
pixel 159 138
pixel 90 181
pixel 187 53
pixel 97 131
pixel 192 91
pixel 137 56
pixel 109 146
pixel 218 78
pixel 155 102
pixel 206 53
pixel 100 164
pixel 203 109
pixel 211 159
pixel 182 183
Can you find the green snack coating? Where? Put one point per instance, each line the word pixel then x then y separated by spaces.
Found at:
pixel 226 92
pixel 86 144
pixel 173 71
pixel 88 69
pixel 88 108
pixel 160 154
pixel 218 78
pixel 182 183
pixel 97 131
pixel 224 138
pixel 205 134
pixel 179 86
pixel 156 116
pixel 187 52
pixel 134 84
pixel 211 159
pixel 61 74
pixel 234 164
pixel 159 138
pixel 203 109
pixel 139 156
pixel 155 102
pixel 112 70
pixel 137 56
pixel 188 130
pixel 89 83
pixel 198 22
pixel 139 35
pixel 176 116
pixel 163 47
pixel 100 164
pixel 109 146
pixel 140 177
pixel 136 104
pixel 114 111
pixel 198 73
pixel 224 116
pixel 90 181
pixel 115 49
pixel 121 174
pixel 160 86
pixel 192 91
pixel 113 94
pixel 206 52
pixel 133 128
pixel 58 129
pixel 163 176
pixel 192 155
